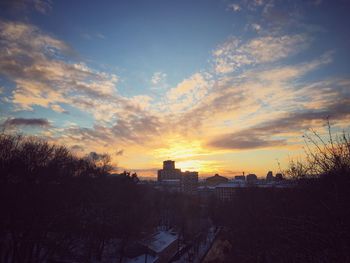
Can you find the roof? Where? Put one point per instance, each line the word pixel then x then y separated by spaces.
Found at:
pixel 141 259
pixel 231 185
pixel 216 176
pixel 160 241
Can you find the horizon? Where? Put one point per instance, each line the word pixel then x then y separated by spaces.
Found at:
pixel 221 87
pixel 231 176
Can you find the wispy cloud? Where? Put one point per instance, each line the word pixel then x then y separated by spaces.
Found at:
pixel 36 63
pixel 234 7
pixel 187 93
pixel 41 6
pixel 119 152
pixel 275 132
pixel 235 54
pixel 159 80
pixel 256 27
pixel 254 96
pixel 90 36
pixel 14 122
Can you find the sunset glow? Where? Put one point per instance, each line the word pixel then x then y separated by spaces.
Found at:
pixel 218 86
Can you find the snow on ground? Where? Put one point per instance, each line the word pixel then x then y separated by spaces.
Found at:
pixel 161 241
pixel 141 259
pixel 197 254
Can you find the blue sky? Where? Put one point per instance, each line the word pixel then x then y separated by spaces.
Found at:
pixel 219 86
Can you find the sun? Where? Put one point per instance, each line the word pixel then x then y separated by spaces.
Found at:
pixel 179 149
pixel 188 154
pixel 190 165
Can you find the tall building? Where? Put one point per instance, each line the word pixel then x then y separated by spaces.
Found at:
pixel 189 182
pixel 173 179
pixel 269 176
pixel 169 165
pixel 169 172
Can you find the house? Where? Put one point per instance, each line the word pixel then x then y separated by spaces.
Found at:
pixel 160 247
pixel 215 180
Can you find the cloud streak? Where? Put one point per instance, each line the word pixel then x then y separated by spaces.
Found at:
pixel 235 54
pixel 253 97
pixel 15 122
pixel 41 6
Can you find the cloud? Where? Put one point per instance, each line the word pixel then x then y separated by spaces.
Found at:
pixel 96 156
pixel 253 98
pixel 188 92
pixel 14 122
pixel 258 2
pixel 316 2
pixel 244 142
pixel 269 133
pixel 90 36
pixel 201 101
pixel 234 7
pixel 41 6
pixel 259 94
pixel 77 148
pixel 158 78
pixel 119 152
pixel 235 54
pixel 256 27
pixel 36 63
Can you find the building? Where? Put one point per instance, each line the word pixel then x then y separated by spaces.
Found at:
pixel 240 177
pixel 160 247
pixel 269 176
pixel 169 172
pixel 163 246
pixel 279 177
pixel 251 178
pixel 189 182
pixel 227 191
pixel 172 179
pixel 215 180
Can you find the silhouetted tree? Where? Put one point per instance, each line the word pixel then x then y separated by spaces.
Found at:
pixel 307 223
pixel 55 204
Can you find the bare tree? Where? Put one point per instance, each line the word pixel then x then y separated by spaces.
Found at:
pixel 325 155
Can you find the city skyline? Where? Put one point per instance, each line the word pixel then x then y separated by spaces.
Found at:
pixel 220 87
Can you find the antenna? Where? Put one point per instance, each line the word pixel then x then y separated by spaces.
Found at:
pixel 279 165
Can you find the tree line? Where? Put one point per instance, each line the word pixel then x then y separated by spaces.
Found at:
pixel 55 205
pixel 307 223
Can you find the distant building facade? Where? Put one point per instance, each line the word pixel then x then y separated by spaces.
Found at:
pixel 160 247
pixel 215 180
pixel 227 191
pixel 279 177
pixel 269 176
pixel 189 182
pixel 251 178
pixel 169 172
pixel 173 179
pixel 240 177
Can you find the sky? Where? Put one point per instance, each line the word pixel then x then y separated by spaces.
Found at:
pixel 218 86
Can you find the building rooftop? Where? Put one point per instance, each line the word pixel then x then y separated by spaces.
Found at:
pixel 235 184
pixel 141 259
pixel 161 240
